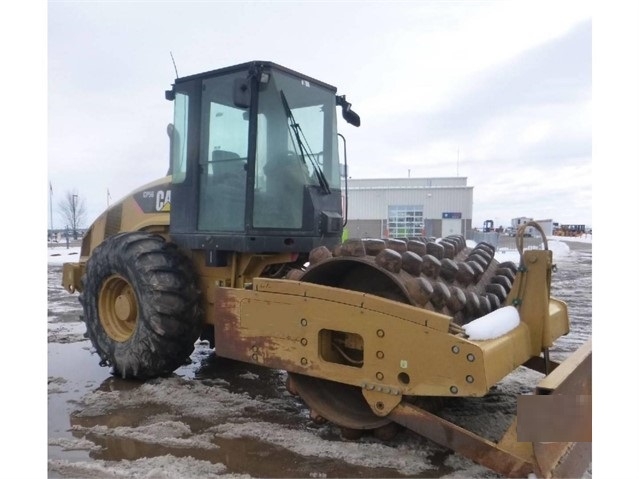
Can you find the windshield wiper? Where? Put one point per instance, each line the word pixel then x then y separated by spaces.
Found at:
pixel 295 128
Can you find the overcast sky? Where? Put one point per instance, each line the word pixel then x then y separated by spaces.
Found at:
pixel 498 92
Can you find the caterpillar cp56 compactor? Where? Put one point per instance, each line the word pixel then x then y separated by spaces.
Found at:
pixel 241 244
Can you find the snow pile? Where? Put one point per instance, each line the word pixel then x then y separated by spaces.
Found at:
pixel 60 255
pixel 493 325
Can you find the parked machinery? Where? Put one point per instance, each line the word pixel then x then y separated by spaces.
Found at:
pixel 240 244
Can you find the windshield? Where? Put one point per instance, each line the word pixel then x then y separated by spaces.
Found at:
pixel 296 148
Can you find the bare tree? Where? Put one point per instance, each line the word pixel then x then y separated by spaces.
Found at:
pixel 73 209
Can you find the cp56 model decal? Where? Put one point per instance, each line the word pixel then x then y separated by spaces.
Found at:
pixel 154 200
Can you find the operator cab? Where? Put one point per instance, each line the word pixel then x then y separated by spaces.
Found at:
pixel 254 160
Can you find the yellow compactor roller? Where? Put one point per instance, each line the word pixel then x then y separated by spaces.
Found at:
pixel 241 245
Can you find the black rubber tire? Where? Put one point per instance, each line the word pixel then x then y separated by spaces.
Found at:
pixel 145 290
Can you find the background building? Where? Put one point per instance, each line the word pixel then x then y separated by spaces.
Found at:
pixel 406 207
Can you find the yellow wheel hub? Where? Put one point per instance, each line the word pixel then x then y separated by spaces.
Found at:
pixel 118 308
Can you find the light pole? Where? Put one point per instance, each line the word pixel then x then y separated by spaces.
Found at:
pixel 75 221
pixel 51 206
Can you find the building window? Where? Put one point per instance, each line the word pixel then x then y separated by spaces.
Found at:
pixel 405 221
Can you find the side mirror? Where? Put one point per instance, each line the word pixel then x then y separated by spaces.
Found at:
pixel 349 115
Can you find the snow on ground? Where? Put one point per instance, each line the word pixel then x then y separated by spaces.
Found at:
pixel 557 244
pixel 61 254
